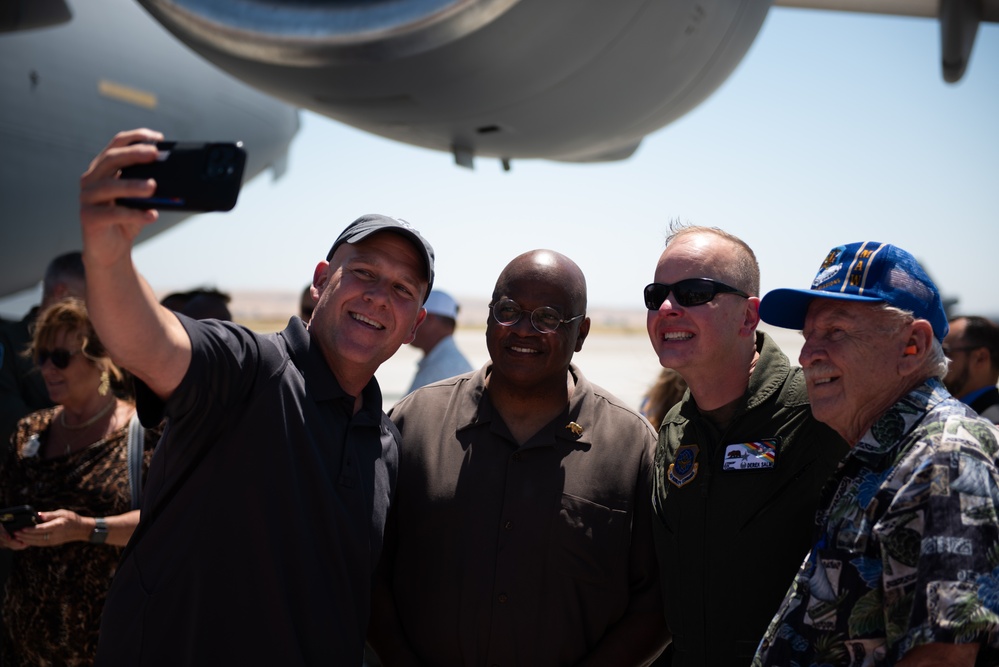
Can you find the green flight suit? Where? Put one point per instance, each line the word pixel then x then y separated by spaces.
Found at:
pixel 736 511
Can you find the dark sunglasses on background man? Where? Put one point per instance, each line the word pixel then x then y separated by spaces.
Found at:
pixel 60 357
pixel 689 292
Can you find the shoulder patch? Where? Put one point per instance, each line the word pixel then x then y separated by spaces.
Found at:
pixel 684 466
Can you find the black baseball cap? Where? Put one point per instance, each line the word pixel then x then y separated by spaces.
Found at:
pixel 373 223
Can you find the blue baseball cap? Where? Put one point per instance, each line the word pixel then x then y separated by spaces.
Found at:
pixel 869 272
pixel 373 223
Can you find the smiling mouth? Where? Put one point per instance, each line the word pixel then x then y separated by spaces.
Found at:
pixel 365 320
pixel 677 335
pixel 818 381
pixel 524 350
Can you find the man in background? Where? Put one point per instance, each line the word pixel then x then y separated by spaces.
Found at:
pixel 201 303
pixel 973 349
pixel 441 356
pixel 21 387
pixel 306 304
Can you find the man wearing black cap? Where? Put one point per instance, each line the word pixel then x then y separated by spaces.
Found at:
pixel 265 504
pixel 904 568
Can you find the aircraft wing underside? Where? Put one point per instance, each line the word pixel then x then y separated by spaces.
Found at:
pixel 959 21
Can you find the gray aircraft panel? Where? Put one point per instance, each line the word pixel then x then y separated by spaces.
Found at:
pixel 573 80
pixel 68 88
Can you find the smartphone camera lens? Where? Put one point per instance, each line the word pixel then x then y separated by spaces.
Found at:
pixel 220 162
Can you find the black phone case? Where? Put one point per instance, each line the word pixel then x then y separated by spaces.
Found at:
pixel 191 176
pixel 16 518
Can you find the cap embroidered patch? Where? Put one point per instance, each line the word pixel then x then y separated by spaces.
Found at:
pixel 757 455
pixel 684 466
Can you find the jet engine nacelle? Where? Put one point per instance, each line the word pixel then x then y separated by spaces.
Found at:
pixel 573 80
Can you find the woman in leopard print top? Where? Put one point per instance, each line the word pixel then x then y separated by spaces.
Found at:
pixel 70 462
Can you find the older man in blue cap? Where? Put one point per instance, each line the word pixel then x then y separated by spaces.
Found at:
pixel 903 570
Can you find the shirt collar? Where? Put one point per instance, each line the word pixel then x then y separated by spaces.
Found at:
pixel 475 409
pixel 889 431
pixel 972 396
pixel 320 382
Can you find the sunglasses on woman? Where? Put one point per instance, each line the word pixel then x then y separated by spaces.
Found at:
pixel 689 292
pixel 60 357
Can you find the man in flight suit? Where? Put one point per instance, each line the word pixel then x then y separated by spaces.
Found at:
pixel 740 461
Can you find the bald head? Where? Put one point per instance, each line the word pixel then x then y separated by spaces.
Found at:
pixel 546 267
pixel 537 322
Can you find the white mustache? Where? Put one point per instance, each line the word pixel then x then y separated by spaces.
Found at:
pixel 820 371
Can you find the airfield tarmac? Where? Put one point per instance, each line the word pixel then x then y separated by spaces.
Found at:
pixel 619 360
pixel 617 354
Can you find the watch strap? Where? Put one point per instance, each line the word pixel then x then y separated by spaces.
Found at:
pixel 100 533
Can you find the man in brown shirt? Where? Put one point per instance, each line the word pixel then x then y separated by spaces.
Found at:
pixel 520 533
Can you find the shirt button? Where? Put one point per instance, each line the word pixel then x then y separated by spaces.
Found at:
pixel 508 525
pixel 503 598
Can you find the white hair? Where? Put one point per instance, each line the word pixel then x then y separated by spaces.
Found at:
pixel 937 362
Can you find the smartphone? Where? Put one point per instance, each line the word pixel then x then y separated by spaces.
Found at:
pixel 191 176
pixel 16 518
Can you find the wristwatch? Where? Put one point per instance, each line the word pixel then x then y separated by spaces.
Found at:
pixel 100 531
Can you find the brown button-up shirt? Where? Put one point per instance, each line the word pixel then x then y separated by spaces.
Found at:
pixel 507 555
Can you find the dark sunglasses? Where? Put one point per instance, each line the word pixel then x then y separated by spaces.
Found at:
pixel 60 357
pixel 689 292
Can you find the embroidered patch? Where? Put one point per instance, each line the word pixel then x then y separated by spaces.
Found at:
pixel 684 467
pixel 757 455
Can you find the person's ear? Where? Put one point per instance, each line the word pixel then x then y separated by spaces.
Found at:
pixel 584 331
pixel 751 316
pixel 416 325
pixel 916 347
pixel 320 277
pixel 979 357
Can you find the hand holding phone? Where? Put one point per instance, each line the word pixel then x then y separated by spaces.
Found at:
pixel 191 176
pixel 16 518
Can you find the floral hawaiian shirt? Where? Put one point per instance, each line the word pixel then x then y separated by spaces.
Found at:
pixel 908 548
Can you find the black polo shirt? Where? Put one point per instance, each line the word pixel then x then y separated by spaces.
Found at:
pixel 263 511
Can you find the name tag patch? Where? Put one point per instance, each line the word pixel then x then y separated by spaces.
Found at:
pixel 756 455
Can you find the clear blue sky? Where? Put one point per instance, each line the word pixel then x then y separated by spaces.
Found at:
pixel 835 128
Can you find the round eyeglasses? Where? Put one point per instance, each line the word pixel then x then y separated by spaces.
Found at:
pixel 545 319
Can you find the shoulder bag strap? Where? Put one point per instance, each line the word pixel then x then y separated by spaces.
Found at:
pixel 136 441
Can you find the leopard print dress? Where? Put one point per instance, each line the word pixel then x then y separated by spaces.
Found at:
pixel 54 596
